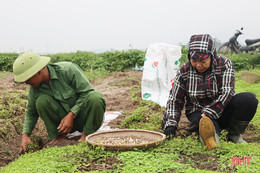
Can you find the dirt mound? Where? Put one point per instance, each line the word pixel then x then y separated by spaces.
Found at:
pixel 250 77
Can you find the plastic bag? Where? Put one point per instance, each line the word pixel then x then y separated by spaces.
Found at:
pixel 161 64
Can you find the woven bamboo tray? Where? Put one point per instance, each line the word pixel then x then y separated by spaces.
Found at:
pixel 126 139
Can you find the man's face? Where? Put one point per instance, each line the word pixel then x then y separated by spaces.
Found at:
pixel 201 65
pixel 35 80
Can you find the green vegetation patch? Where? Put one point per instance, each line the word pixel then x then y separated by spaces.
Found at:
pixel 58 159
pixel 147 116
pixel 242 86
pixel 149 162
pixel 12 106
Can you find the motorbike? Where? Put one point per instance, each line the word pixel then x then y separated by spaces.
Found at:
pixel 233 46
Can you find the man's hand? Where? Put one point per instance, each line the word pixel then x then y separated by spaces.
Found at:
pixel 170 132
pixel 25 141
pixel 66 123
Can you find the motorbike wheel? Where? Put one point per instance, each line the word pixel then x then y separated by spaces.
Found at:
pixel 225 49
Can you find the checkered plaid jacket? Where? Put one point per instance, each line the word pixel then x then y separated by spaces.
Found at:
pixel 207 92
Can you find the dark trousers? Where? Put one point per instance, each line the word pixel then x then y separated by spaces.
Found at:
pixel 241 107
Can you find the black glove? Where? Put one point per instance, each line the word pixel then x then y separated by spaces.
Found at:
pixel 170 132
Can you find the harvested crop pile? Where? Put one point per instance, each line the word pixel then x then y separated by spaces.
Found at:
pixel 123 140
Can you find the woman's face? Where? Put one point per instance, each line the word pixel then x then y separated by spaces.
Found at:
pixel 201 65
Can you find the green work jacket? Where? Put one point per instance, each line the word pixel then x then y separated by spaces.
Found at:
pixel 68 85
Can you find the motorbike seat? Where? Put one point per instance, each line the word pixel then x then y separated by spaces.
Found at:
pixel 251 41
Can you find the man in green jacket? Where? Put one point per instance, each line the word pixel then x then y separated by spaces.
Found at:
pixel 61 95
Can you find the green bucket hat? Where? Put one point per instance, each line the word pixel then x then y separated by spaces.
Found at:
pixel 27 65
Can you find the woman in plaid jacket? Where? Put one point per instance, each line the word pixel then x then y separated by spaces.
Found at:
pixel 204 85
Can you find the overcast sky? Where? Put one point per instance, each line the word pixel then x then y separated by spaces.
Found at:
pixel 52 26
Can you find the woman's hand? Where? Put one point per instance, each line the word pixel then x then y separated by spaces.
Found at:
pixel 170 132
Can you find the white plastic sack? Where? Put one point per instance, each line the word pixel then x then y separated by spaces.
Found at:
pixel 109 116
pixel 161 64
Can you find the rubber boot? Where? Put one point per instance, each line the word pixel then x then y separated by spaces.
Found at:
pixel 235 129
pixel 207 133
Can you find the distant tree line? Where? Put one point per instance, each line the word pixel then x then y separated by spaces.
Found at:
pixel 114 60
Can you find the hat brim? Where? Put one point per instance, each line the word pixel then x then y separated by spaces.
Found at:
pixel 32 71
